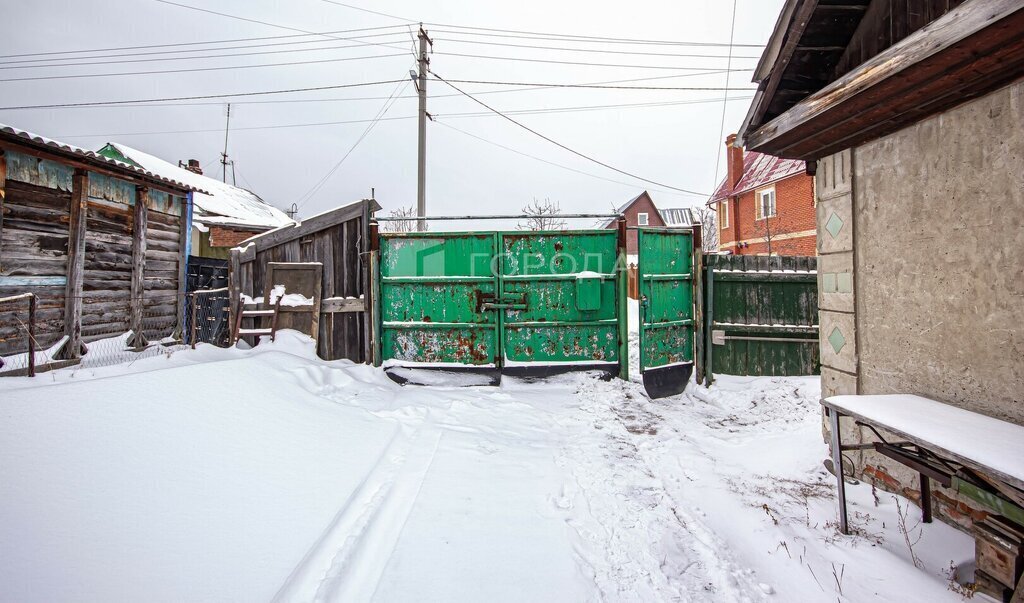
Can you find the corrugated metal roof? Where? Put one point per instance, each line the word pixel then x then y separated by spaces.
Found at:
pixel 678 217
pixel 758 170
pixel 23 136
pixel 220 203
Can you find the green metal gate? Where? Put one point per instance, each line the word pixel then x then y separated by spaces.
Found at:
pixel 503 298
pixel 669 259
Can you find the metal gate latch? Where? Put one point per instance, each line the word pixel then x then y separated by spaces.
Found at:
pixel 490 302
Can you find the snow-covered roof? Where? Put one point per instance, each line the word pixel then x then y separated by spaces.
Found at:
pixel 622 209
pixel 758 170
pixel 67 149
pixel 221 203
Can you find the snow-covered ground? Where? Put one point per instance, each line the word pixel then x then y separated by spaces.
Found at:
pixel 266 474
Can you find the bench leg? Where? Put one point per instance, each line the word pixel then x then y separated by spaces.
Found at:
pixel 926 499
pixel 837 464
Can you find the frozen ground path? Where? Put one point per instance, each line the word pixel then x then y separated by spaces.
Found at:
pixel 268 475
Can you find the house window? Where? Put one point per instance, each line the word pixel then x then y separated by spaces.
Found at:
pixel 723 214
pixel 641 219
pixel 766 204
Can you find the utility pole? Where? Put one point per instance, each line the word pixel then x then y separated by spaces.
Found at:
pixel 421 87
pixel 224 155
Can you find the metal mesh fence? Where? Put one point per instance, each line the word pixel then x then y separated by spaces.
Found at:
pixel 169 322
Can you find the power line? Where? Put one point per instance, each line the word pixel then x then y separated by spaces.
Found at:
pixel 166 101
pixel 20 65
pixel 533 35
pixel 366 10
pixel 725 101
pixel 558 165
pixel 553 85
pixel 200 69
pixel 373 123
pixel 557 62
pixel 176 44
pixel 203 96
pixel 437 116
pixel 560 145
pixel 591 50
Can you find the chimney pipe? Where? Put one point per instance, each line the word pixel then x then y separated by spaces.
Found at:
pixel 734 161
pixel 193 166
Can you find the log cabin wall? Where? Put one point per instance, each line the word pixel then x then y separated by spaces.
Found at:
pixel 67 234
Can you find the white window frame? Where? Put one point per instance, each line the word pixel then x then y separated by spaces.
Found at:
pixel 759 205
pixel 642 219
pixel 723 214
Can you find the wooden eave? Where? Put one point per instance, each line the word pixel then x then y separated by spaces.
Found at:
pixel 974 49
pixel 106 168
pixel 313 224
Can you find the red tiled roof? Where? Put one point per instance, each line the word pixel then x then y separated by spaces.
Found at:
pixel 758 170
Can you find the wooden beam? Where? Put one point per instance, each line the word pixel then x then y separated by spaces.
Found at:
pixel 76 262
pixel 801 17
pixel 897 77
pixel 309 226
pixel 234 286
pixel 139 223
pixel 342 304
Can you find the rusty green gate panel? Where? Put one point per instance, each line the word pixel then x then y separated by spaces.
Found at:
pixel 762 315
pixel 503 298
pixel 666 288
pixel 563 285
pixel 433 291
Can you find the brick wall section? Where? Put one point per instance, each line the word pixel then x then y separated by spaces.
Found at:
pixel 223 236
pixel 795 212
pixel 643 204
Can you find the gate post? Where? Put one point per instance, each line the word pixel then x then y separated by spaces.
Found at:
pixel 373 302
pixel 698 304
pixel 621 286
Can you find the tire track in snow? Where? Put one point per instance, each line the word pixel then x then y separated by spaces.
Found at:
pixel 346 563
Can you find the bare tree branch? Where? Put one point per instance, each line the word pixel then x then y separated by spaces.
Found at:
pixel 708 219
pixel 542 215
pixel 405 225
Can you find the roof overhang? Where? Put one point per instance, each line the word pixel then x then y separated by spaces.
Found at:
pixel 974 49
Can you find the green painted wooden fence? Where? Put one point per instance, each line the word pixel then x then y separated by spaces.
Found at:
pixel 762 315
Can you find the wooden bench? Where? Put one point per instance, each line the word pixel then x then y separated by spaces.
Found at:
pixel 975 455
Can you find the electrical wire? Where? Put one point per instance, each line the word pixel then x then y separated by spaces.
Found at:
pixel 601 86
pixel 725 101
pixel 590 50
pixel 366 10
pixel 202 96
pixel 437 116
pixel 380 115
pixel 558 165
pixel 532 35
pixel 21 65
pixel 557 62
pixel 176 44
pixel 200 69
pixel 560 145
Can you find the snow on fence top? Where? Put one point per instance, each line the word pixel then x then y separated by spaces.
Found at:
pixel 990 442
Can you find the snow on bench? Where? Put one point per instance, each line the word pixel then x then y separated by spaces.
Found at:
pixel 992 444
pixel 934 430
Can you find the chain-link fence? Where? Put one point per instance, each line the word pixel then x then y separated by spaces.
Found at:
pixel 34 337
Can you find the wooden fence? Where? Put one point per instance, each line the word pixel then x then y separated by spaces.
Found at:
pixel 337 240
pixel 761 315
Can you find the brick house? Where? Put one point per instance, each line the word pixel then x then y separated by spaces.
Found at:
pixel 224 217
pixel 763 202
pixel 641 211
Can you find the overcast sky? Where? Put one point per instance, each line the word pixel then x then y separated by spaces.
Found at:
pixel 675 145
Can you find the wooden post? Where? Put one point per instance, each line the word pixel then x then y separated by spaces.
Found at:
pixel 234 290
pixel 76 262
pixel 3 188
pixel 140 220
pixel 698 303
pixel 195 319
pixel 184 226
pixel 32 335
